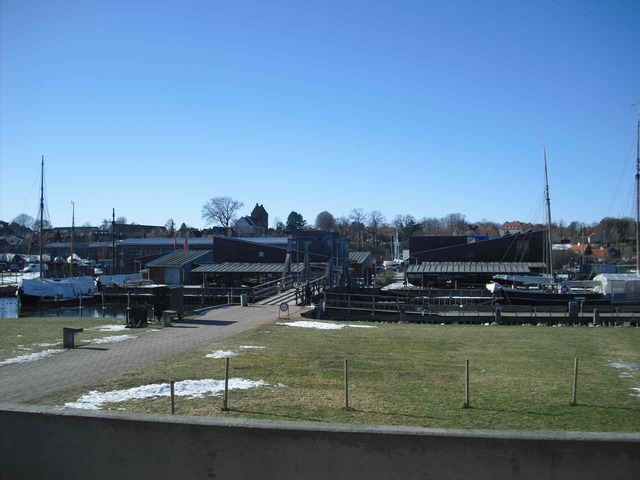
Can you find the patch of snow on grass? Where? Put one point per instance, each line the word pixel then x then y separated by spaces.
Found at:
pixel 625 375
pixel 32 357
pixel 111 328
pixel 221 354
pixel 114 339
pixel 637 394
pixel 186 388
pixel 250 347
pixel 47 344
pixel 625 366
pixel 322 325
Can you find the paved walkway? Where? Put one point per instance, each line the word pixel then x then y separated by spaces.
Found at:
pixel 91 362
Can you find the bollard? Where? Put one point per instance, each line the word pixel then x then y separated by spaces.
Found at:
pixel 173 398
pixel 226 385
pixel 574 403
pixel 346 384
pixel 466 403
pixel 596 317
pixel 497 315
pixel 102 294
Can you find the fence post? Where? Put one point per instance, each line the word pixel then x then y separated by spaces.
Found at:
pixel 349 303
pixel 226 385
pixel 574 403
pixel 173 398
pixel 466 403
pixel 346 384
pixel 373 306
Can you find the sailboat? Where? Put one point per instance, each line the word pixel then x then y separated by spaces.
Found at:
pixel 33 291
pixel 544 290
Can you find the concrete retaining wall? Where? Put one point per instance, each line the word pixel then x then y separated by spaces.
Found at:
pixel 43 442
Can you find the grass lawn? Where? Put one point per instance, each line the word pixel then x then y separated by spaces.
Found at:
pixel 521 377
pixel 23 336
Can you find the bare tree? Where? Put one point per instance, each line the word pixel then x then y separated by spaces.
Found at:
pixel 342 223
pixel 376 221
pixel 221 211
pixel 325 221
pixel 358 217
pixel 24 220
pixel 454 224
pixel 122 220
pixel 431 226
pixel 406 225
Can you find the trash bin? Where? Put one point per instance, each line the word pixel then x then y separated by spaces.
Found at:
pixel 573 309
pixel 244 300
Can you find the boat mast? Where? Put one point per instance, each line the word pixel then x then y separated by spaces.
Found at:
pixel 41 252
pixel 113 242
pixel 638 200
pixel 73 221
pixel 548 200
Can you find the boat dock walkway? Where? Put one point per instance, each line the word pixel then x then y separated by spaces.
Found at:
pixel 91 362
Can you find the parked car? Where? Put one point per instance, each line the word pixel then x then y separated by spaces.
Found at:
pixel 14 267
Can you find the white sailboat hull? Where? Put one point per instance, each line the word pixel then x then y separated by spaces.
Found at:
pixel 40 289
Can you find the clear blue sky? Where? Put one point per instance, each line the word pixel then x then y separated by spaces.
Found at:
pixel 421 107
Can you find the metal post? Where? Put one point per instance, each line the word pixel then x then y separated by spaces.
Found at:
pixel 346 384
pixel 102 293
pixel 466 403
pixel 574 403
pixel 226 385
pixel 173 398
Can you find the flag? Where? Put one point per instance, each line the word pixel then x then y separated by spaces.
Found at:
pixel 175 243
pixel 186 243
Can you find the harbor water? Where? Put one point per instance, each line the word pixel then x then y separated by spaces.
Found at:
pixel 10 308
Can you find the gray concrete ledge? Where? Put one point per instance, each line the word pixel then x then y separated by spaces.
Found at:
pixel 47 442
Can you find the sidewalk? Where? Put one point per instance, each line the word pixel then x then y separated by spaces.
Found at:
pixel 27 381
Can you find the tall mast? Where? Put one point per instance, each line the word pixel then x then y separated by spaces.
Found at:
pixel 638 200
pixel 548 200
pixel 73 221
pixel 113 242
pixel 41 252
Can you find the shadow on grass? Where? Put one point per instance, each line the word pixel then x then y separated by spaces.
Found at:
pixel 271 415
pixel 608 407
pixel 518 412
pixel 100 349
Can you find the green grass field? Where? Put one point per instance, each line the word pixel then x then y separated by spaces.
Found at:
pixel 23 336
pixel 521 377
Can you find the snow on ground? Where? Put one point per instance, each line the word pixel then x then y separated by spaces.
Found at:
pixel 625 366
pixel 110 328
pixel 32 357
pixel 114 339
pixel 94 400
pixel 250 347
pixel 48 344
pixel 221 354
pixel 322 325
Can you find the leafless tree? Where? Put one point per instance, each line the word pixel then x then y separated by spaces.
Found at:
pixel 221 211
pixel 358 217
pixel 376 221
pixel 431 226
pixel 325 221
pixel 24 220
pixel 342 224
